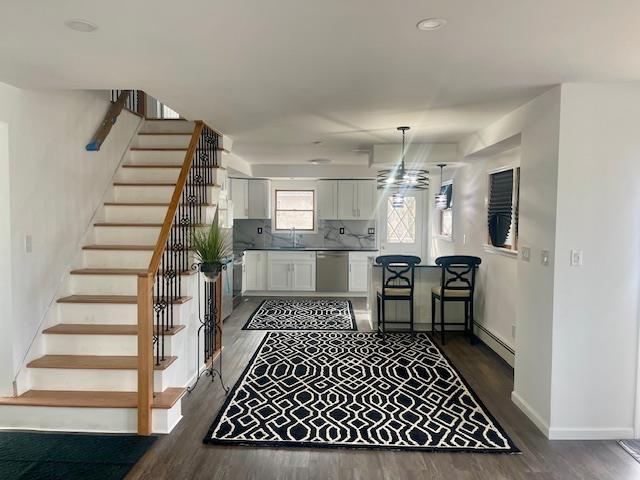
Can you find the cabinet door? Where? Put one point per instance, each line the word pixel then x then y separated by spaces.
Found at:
pixel 279 273
pixel 327 199
pixel 358 276
pixel 304 275
pixel 366 199
pixel 240 197
pixel 253 271
pixel 347 199
pixel 259 199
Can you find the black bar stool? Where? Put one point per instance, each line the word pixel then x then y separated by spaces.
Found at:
pixel 457 284
pixel 398 279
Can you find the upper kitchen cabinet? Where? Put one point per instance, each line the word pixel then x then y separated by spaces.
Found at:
pixel 251 198
pixel 240 197
pixel 327 199
pixel 356 199
pixel 259 199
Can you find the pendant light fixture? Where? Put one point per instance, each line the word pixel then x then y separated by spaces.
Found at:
pixel 401 178
pixel 442 200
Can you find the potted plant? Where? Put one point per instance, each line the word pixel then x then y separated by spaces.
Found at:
pixel 212 248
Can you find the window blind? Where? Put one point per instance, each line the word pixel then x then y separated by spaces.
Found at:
pixel 500 209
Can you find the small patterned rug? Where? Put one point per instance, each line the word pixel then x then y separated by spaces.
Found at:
pixel 632 447
pixel 302 314
pixel 353 390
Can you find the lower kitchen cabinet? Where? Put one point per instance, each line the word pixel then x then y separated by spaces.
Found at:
pixel 254 271
pixel 292 271
pixel 358 268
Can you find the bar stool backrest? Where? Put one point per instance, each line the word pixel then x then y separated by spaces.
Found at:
pixel 458 272
pixel 398 272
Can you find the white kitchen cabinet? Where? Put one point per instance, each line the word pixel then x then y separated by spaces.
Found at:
pixel 259 201
pixel 240 197
pixel 327 191
pixel 358 268
pixel 254 271
pixel 356 199
pixel 292 271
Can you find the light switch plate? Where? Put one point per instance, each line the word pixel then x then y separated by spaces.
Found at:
pixel 28 244
pixel 544 257
pixel 525 253
pixel 576 258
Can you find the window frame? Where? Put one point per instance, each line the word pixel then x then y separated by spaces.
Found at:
pixel 276 209
pixel 515 208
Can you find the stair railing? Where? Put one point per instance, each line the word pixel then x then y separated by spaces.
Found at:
pixel 159 289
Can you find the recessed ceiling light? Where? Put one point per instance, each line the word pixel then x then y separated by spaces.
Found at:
pixel 81 26
pixel 429 24
pixel 318 142
pixel 320 161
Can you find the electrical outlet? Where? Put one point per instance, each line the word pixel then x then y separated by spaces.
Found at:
pixel 576 258
pixel 259 230
pixel 28 244
pixel 372 231
pixel 526 253
pixel 544 257
pixel 341 230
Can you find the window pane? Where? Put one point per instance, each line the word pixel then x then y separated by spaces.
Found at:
pixel 401 221
pixel 294 200
pixel 446 226
pixel 286 220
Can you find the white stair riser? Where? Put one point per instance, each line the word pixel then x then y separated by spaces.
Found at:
pixel 157 141
pixel 79 379
pixel 104 313
pixel 112 285
pixel 153 194
pixel 148 174
pixel 117 258
pixel 67 419
pixel 134 214
pixel 58 344
pixel 126 235
pixel 168 126
pixel 146 157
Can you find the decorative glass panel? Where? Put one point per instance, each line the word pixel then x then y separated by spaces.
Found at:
pixel 401 221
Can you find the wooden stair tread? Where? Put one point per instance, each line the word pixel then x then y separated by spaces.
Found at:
pixel 158 184
pixel 165 133
pixel 120 271
pixel 101 329
pixel 160 165
pixel 150 204
pixel 159 149
pixel 92 399
pixel 127 224
pixel 119 247
pixel 117 299
pixel 94 362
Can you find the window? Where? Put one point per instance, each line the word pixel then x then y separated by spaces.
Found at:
pixel 401 220
pixel 502 209
pixel 165 112
pixel 446 214
pixel 295 209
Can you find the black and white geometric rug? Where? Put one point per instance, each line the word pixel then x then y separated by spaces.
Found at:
pixel 348 389
pixel 302 314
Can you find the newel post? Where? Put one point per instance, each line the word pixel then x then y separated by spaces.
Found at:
pixel 145 353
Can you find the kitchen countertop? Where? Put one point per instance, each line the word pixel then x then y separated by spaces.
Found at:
pixel 312 249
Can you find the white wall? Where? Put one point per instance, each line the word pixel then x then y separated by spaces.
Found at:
pixel 595 334
pixel 495 306
pixel 55 187
pixel 6 371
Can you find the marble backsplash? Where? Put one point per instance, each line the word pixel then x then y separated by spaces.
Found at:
pixel 356 235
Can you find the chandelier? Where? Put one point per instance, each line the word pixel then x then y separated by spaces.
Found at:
pixel 401 178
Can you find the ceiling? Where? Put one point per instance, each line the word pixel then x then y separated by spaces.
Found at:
pixel 278 75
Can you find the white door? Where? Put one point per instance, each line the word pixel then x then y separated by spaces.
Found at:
pixel 240 197
pixel 304 275
pixel 401 226
pixel 327 199
pixel 347 199
pixel 366 207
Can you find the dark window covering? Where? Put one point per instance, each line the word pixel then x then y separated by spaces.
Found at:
pixel 500 209
pixel 448 191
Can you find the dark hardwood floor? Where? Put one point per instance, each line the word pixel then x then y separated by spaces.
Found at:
pixel 181 455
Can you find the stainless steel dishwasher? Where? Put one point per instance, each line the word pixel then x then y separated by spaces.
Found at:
pixel 332 271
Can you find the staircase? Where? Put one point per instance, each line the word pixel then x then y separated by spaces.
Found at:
pixel 87 378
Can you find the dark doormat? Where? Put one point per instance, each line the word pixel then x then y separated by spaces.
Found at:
pixel 632 447
pixel 57 456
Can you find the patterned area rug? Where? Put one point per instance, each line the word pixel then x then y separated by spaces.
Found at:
pixel 350 390
pixel 632 447
pixel 302 314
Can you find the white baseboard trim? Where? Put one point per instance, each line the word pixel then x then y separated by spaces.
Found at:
pixel 591 433
pixel 537 420
pixel 272 293
pixel 495 343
